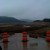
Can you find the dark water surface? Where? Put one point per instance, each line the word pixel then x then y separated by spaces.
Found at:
pixel 15 43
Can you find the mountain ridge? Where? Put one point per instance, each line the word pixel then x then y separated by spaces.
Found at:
pixel 5 19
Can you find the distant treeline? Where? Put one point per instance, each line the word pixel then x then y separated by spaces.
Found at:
pixel 44 20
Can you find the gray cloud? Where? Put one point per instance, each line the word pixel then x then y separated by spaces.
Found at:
pixel 31 9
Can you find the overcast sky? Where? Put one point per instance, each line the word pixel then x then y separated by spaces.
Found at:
pixel 25 9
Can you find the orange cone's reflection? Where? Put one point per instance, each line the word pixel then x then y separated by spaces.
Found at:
pixel 48 46
pixel 5 45
pixel 25 46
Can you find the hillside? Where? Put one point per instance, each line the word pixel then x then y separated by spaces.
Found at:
pixel 5 19
pixel 26 20
pixel 44 20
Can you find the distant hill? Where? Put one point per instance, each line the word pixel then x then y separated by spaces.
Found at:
pixel 37 21
pixel 5 19
pixel 44 20
pixel 26 20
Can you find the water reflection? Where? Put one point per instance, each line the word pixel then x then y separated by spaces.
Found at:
pixel 33 46
pixel 5 45
pixel 48 45
pixel 25 46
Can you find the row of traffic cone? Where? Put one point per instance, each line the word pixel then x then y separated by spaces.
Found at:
pixel 5 36
pixel 5 40
pixel 24 36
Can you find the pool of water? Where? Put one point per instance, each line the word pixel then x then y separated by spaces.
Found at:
pixel 15 43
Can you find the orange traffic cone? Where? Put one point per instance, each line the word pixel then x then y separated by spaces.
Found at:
pixel 24 33
pixel 24 39
pixel 5 37
pixel 24 36
pixel 48 36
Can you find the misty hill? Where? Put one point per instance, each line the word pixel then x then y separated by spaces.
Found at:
pixel 38 21
pixel 44 20
pixel 26 20
pixel 4 19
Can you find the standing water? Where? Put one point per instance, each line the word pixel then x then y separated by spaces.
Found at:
pixel 15 43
